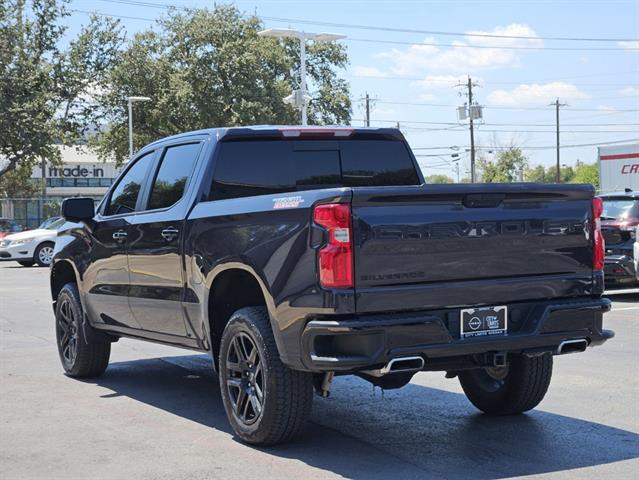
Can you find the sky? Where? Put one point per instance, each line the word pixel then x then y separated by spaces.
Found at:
pixel 410 55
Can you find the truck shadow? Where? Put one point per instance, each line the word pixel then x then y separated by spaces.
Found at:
pixel 415 432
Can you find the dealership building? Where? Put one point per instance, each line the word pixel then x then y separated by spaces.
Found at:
pixel 80 173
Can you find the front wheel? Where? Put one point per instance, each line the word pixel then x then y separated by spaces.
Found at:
pixel 265 402
pixel 515 388
pixel 44 254
pixel 80 356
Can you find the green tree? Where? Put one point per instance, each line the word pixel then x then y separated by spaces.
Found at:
pixel 587 173
pixel 438 178
pixel 208 68
pixel 18 184
pixel 44 89
pixel 507 166
pixel 536 174
pixel 549 174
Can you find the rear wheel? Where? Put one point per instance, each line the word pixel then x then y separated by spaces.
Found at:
pixel 515 388
pixel 80 357
pixel 26 263
pixel 266 402
pixel 44 254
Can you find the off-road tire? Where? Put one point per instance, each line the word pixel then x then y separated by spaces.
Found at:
pixel 287 395
pixel 38 251
pixel 89 358
pixel 522 387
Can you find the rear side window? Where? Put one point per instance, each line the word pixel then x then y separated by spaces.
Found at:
pixel 248 168
pixel 125 195
pixel 267 167
pixel 367 163
pixel 177 164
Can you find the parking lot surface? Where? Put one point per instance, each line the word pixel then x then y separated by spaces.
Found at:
pixel 157 414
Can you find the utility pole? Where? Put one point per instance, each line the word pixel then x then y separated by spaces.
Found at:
pixel 472 112
pixel 472 132
pixel 557 105
pixel 368 110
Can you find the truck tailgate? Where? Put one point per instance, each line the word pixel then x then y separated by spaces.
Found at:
pixel 448 245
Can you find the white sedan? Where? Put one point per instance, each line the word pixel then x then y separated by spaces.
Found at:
pixel 32 246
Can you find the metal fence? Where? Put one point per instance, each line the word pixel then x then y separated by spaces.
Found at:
pixel 30 212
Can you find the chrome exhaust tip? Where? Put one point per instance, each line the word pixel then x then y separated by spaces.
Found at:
pixel 403 364
pixel 572 346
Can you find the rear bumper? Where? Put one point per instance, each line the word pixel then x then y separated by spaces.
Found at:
pixel 358 343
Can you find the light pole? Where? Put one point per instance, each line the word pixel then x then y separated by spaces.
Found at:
pixel 300 97
pixel 131 100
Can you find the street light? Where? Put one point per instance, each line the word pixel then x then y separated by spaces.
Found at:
pixel 131 100
pixel 300 97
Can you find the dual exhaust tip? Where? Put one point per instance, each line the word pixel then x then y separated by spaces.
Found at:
pixel 416 363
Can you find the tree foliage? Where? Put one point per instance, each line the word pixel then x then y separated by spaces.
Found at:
pixel 44 89
pixel 438 178
pixel 17 183
pixel 549 174
pixel 587 173
pixel 506 167
pixel 209 68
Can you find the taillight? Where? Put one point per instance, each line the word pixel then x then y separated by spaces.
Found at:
pixel 336 257
pixel 598 240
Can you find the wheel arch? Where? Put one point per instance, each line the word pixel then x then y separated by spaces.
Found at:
pixel 62 272
pixel 230 287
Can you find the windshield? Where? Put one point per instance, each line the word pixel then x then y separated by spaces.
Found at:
pixel 56 224
pixel 620 209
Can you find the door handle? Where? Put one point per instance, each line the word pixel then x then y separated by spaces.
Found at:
pixel 170 233
pixel 119 236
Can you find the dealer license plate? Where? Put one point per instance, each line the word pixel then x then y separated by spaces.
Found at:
pixel 480 322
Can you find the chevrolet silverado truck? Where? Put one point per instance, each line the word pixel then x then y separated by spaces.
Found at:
pixel 294 254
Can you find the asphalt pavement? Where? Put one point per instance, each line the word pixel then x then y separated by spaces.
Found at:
pixel 156 414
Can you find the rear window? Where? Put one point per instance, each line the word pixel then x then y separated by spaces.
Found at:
pixel 248 168
pixel 622 208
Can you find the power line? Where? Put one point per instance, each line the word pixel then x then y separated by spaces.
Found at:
pixel 491 47
pixel 546 147
pixel 393 29
pixel 424 122
pixel 499 107
pixel 399 42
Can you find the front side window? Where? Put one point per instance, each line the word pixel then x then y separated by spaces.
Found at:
pixel 177 164
pixel 125 195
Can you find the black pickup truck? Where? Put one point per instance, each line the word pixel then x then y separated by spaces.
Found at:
pixel 294 254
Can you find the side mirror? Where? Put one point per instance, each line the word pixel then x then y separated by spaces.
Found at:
pixel 78 209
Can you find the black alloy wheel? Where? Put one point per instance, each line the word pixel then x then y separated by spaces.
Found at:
pixel 67 332
pixel 245 378
pixel 81 356
pixel 265 401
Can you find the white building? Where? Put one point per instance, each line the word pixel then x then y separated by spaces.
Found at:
pixel 81 173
